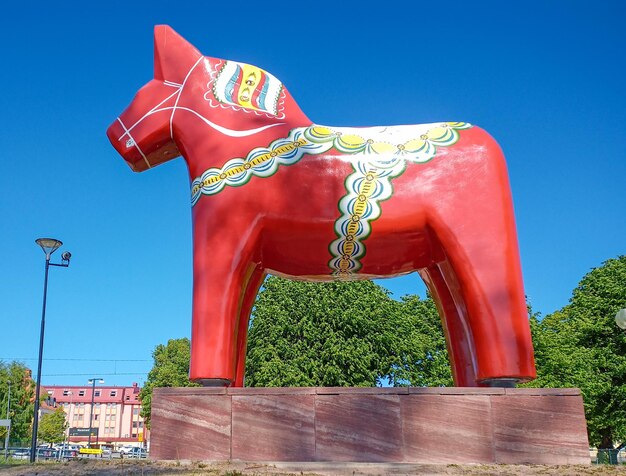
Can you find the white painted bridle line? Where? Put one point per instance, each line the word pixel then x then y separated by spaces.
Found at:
pixel 134 143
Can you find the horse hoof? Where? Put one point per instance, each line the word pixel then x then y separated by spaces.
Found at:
pixel 501 382
pixel 214 382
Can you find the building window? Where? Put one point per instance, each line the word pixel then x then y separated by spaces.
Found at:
pixel 66 393
pixel 97 394
pixel 135 411
pixel 81 393
pixel 113 393
pixel 127 397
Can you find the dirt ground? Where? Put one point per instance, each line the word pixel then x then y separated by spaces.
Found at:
pixel 182 468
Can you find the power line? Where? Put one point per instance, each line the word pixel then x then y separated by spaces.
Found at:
pixel 91 374
pixel 80 360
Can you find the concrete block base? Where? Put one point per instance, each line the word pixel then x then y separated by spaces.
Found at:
pixel 382 425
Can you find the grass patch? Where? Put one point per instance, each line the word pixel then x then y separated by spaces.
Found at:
pixel 10 462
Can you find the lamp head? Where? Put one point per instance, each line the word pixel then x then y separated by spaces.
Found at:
pixel 48 245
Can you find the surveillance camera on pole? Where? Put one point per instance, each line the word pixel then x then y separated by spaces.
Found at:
pixel 620 319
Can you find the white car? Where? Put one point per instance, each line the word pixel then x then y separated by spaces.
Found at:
pixel 124 450
pixel 22 453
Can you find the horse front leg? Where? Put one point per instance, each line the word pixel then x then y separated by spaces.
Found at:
pixel 222 270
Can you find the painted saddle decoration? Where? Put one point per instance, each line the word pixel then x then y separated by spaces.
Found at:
pixel 274 193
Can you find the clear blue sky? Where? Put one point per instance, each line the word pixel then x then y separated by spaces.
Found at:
pixel 546 78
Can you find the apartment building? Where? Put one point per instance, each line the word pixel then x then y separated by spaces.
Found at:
pixel 116 418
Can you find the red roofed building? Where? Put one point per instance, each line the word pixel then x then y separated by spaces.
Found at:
pixel 116 413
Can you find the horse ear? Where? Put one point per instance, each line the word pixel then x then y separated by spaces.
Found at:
pixel 173 55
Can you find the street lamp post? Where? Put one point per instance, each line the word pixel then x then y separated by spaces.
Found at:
pixel 49 246
pixel 6 440
pixel 69 424
pixel 92 381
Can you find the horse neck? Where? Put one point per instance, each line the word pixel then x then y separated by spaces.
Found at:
pixel 211 133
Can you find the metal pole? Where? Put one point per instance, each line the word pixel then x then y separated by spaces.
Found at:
pixel 69 425
pixel 6 440
pixel 33 442
pixel 93 392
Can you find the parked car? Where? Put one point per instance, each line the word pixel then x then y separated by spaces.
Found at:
pixel 137 453
pixel 124 450
pixel 46 453
pixel 22 453
pixel 67 454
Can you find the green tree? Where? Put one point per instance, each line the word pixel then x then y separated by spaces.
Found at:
pixel 420 355
pixel 170 369
pixel 580 346
pixel 334 334
pixel 342 334
pixel 52 426
pixel 22 398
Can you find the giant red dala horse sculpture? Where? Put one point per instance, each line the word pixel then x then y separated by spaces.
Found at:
pixel 272 192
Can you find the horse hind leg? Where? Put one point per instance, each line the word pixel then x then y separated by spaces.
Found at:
pixel 483 308
pixel 478 280
pixel 249 297
pixel 453 320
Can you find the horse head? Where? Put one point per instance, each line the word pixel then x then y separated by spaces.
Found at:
pixel 226 99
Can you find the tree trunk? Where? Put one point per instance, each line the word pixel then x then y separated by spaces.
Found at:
pixel 607 438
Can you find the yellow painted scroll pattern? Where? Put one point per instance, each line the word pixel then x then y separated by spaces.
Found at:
pixel 377 163
pixel 379 154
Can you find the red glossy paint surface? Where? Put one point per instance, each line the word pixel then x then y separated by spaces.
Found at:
pixel 450 218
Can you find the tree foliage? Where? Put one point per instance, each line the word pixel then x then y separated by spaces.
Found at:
pixel 421 355
pixel 580 346
pixel 343 334
pixel 170 369
pixel 22 398
pixel 334 334
pixel 52 426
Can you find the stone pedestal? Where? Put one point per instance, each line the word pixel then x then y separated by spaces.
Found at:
pixel 385 425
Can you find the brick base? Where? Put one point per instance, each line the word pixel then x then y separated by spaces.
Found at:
pixel 386 425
